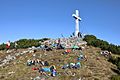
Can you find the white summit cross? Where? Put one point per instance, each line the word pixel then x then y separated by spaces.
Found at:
pixel 77 19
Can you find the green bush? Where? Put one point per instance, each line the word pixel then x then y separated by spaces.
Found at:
pixel 104 45
pixel 24 43
pixel 116 61
pixel 2 46
pixel 115 77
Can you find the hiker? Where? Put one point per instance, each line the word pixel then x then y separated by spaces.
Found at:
pixel 8 45
pixel 29 62
pixel 52 67
pixel 33 62
pixel 53 73
pixel 54 45
pixel 44 69
pixel 106 54
pixel 79 35
pixel 65 66
pixel 77 65
pixel 42 72
pixel 46 48
pixel 72 65
pixel 85 57
pixel 59 41
pixel 41 62
pixel 67 51
pixel 81 57
pixel 42 47
pixel 16 45
pixel 58 46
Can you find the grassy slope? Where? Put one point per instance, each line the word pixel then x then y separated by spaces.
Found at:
pixel 92 69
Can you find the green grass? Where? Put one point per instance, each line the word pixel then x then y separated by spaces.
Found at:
pixel 24 72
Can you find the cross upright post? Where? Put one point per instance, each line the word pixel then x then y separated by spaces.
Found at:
pixel 77 19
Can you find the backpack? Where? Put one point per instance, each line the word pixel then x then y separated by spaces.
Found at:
pixel 46 63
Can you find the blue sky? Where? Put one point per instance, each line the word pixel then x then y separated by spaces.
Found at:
pixel 50 18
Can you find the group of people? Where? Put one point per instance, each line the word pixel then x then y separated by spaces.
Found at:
pixel 72 65
pixel 106 54
pixel 42 67
pixel 37 61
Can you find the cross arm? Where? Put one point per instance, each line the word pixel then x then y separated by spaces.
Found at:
pixel 76 17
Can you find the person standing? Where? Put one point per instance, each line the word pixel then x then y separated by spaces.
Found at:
pixel 8 45
pixel 16 45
